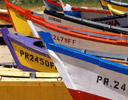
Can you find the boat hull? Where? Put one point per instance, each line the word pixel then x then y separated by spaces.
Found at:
pixel 66 22
pixel 81 39
pixel 46 86
pixel 85 12
pixel 117 20
pixel 91 80
pixel 28 57
pixel 87 75
pixel 118 5
pixel 5 19
pixel 86 44
pixel 93 24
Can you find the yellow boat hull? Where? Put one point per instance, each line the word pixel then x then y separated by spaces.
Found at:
pixel 43 66
pixel 105 5
pixel 32 88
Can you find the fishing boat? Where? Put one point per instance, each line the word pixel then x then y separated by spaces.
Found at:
pixel 115 4
pixel 85 13
pixel 104 44
pixel 91 24
pixel 32 85
pixel 4 18
pixel 28 53
pixel 117 19
pixel 52 17
pixel 4 21
pixel 115 12
pixel 88 77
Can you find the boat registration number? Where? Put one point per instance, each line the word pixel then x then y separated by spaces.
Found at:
pixel 63 39
pixel 113 84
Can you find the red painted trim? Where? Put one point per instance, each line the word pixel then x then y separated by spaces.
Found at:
pixel 28 14
pixel 5 17
pixel 80 9
pixel 54 3
pixel 78 35
pixel 79 95
pixel 6 4
pixel 41 21
pixel 97 32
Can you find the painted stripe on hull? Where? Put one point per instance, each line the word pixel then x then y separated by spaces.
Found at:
pixel 57 18
pixel 84 43
pixel 79 95
pixel 52 7
pixel 85 13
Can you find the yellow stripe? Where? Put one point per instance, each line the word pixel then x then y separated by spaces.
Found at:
pixel 104 3
pixel 115 11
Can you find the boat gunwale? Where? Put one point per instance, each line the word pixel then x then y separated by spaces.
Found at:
pixel 37 19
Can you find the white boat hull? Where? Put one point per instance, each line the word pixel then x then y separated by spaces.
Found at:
pixel 80 43
pixel 56 20
pixel 90 79
pixel 117 22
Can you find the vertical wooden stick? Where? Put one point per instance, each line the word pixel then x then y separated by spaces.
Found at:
pixel 62 4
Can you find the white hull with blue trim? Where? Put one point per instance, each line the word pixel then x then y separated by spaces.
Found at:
pixel 87 74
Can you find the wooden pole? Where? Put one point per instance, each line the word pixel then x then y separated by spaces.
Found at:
pixel 62 4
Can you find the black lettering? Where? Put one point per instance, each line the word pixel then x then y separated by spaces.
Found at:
pixel 31 58
pixel 99 78
pixel 106 80
pixel 51 64
pixel 123 87
pixel 36 59
pixel 46 63
pixel 116 84
pixel 41 61
pixel 54 19
pixel 21 52
pixel 26 55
